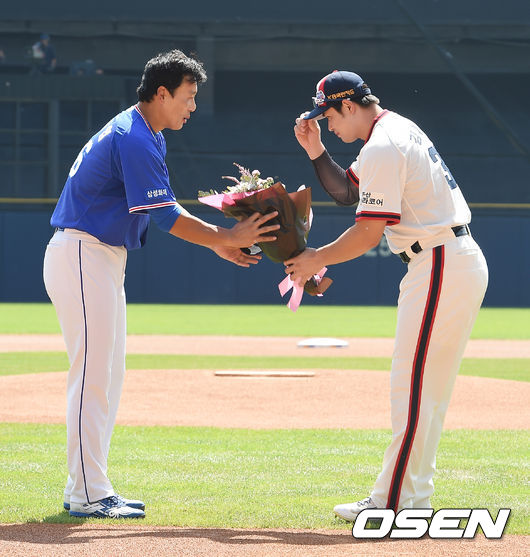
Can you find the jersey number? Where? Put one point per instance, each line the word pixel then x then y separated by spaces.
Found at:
pixel 79 158
pixel 435 156
pixel 86 149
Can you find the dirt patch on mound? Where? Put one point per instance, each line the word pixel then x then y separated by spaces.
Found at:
pixel 330 399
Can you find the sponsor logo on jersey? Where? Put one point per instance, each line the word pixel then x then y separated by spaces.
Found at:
pixel 153 193
pixel 372 199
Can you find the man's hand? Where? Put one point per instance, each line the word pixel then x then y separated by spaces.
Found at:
pixel 244 234
pixel 251 230
pixel 304 266
pixel 307 132
pixel 353 242
pixel 236 256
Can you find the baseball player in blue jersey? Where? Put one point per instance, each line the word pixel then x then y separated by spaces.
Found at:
pixel 117 184
pixel 404 190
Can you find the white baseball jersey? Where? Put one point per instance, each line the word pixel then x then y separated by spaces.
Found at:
pixel 403 179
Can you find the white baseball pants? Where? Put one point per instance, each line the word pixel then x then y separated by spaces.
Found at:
pixel 84 279
pixel 439 300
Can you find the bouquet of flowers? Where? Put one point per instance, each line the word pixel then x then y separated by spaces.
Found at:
pixel 251 194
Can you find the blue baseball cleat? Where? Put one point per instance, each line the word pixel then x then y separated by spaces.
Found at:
pixel 110 507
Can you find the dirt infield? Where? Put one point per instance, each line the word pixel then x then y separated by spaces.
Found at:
pixel 338 397
pixel 59 540
pixel 256 346
pixel 180 397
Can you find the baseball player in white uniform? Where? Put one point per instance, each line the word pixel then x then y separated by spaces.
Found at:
pixel 116 185
pixel 405 191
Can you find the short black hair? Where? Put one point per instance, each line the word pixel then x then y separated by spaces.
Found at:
pixel 168 69
pixel 367 100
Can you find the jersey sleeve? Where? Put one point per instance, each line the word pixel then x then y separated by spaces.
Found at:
pixel 353 173
pixel 381 181
pixel 145 174
pixel 335 180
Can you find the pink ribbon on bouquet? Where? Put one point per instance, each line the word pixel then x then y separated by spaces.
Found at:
pixel 298 290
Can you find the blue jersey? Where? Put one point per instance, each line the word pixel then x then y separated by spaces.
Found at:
pixel 117 177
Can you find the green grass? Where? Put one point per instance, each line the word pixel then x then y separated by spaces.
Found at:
pixel 16 363
pixel 208 477
pixel 271 479
pixel 266 320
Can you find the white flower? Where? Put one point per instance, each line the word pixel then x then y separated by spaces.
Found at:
pixel 247 182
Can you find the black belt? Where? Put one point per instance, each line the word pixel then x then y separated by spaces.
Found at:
pixel 462 230
pixel 59 229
